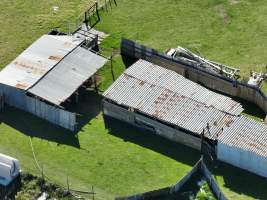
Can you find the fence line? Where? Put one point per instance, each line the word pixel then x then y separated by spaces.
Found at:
pixel 193 72
pixel 199 168
pixel 92 9
pixel 45 176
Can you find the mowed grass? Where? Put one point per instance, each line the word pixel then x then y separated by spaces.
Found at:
pixel 123 160
pixel 233 32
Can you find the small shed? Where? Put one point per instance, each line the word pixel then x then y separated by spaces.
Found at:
pixel 155 98
pixel 47 74
pixel 244 145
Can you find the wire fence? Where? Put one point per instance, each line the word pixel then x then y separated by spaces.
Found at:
pixel 40 169
pixel 90 16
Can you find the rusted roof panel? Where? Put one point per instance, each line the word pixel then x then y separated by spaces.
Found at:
pixel 68 75
pixel 167 96
pixel 37 60
pixel 153 74
pixel 246 134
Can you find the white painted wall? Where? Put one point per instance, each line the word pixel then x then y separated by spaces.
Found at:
pixel 243 159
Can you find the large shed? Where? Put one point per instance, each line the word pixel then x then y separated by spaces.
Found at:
pixel 159 99
pixel 47 74
pixel 244 145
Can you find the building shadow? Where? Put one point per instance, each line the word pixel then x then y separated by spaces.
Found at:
pixel 250 108
pixel 237 180
pixel 33 126
pixel 88 107
pixel 241 181
pixel 149 140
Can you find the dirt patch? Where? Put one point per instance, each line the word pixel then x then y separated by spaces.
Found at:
pixel 221 12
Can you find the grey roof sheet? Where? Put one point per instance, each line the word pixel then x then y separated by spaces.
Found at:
pixel 37 60
pixel 68 75
pixel 246 134
pixel 168 96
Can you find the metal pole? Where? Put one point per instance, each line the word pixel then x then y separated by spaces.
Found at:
pixel 68 183
pixel 95 83
pixel 111 66
pixel 106 5
pixel 110 4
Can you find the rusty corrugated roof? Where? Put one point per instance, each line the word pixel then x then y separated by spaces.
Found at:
pixel 68 75
pixel 246 134
pixel 37 60
pixel 168 96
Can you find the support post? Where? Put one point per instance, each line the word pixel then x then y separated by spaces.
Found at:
pixel 202 143
pixel 111 66
pixel 85 18
pixel 97 13
pixel 106 5
pixel 110 4
pixel 95 83
pixel 68 186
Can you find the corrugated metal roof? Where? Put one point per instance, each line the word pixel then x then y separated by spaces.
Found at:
pixel 246 134
pixel 66 77
pixel 37 60
pixel 168 96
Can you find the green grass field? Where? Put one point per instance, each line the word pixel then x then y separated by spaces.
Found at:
pixel 123 160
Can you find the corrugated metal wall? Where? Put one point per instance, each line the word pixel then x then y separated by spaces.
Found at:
pixel 161 129
pixel 243 159
pixel 17 98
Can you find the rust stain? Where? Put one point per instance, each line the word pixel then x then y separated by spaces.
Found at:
pixel 227 121
pixel 31 67
pixel 142 83
pixel 67 44
pixel 56 58
pixel 126 76
pixel 21 85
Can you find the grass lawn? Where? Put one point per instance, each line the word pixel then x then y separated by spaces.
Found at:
pixel 123 160
pixel 233 32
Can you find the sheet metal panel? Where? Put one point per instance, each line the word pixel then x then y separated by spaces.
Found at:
pixel 17 98
pixel 66 77
pixel 168 79
pixel 152 90
pixel 246 134
pixel 37 60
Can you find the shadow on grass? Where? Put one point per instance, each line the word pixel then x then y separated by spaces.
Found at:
pixel 241 181
pixel 237 180
pixel 251 109
pixel 33 126
pixel 151 141
pixel 88 108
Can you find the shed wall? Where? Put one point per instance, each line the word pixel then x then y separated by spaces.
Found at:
pixel 17 98
pixel 243 159
pixel 161 129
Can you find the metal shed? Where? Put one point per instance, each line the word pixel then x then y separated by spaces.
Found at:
pixel 244 145
pixel 173 106
pixel 46 74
